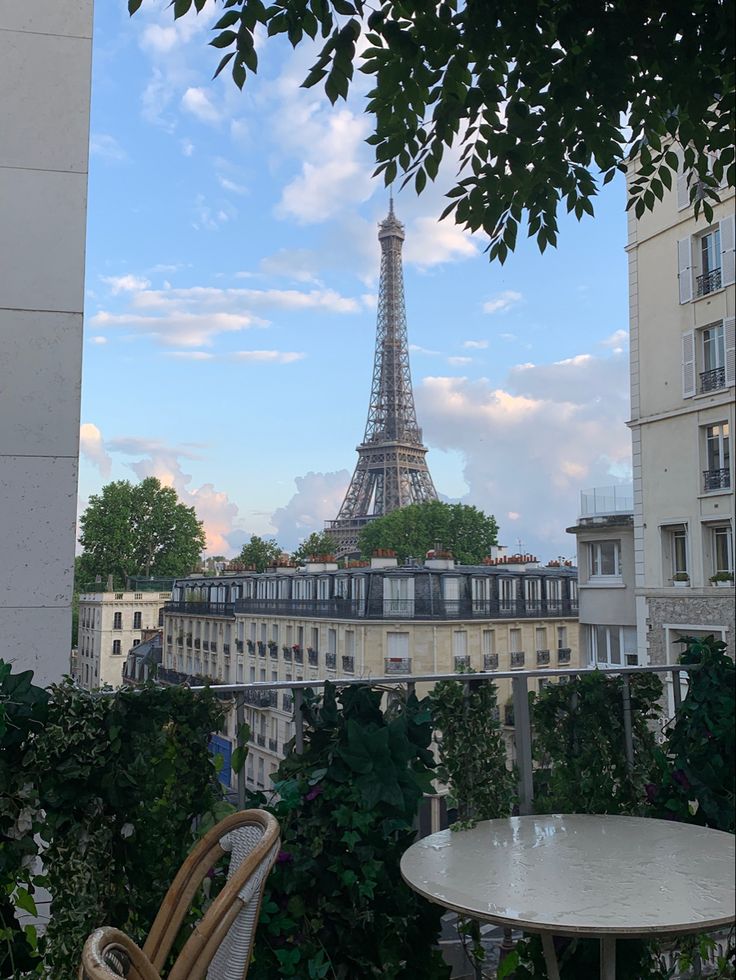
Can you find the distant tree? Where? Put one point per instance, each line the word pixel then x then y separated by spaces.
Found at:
pixel 318 543
pixel 260 553
pixel 137 529
pixel 546 101
pixel 414 530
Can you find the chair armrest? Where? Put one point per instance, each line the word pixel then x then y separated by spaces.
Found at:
pixel 107 940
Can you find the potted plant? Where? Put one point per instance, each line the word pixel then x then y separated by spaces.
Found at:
pixel 681 580
pixel 722 579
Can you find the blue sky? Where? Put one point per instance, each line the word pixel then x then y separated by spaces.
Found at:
pixel 232 265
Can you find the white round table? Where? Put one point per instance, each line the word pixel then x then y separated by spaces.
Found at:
pixel 580 875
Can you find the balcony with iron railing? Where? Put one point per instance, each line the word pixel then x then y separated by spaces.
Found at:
pixel 563 655
pixel 312 657
pixel 490 661
pixel 542 658
pixel 708 282
pixel 712 380
pixel 718 479
pixel 331 661
pixel 422 607
pixel 516 658
pixel 348 664
pixel 200 608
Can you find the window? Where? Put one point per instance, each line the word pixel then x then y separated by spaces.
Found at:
pixel 709 247
pixel 397 653
pixel 323 588
pixel 717 474
pixel 398 596
pixel 713 349
pixel 515 641
pixel 611 646
pixel 706 262
pixel 161 616
pixel 674 550
pixel 117 621
pixel 116 648
pixel 562 637
pixel 460 645
pixel 541 637
pixel 481 591
pixel 507 591
pixel 532 590
pixel 605 559
pixel 349 643
pixel 488 641
pixel 722 549
pixel 137 620
pixel 331 641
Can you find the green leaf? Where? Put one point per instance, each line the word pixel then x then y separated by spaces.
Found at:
pixel 23 900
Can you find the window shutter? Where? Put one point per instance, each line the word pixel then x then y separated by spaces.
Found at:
pixel 683 191
pixel 729 331
pixel 688 364
pixel 728 266
pixel 685 270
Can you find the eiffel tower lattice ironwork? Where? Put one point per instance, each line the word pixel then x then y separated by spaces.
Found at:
pixel 392 470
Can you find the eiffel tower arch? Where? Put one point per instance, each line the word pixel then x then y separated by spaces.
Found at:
pixel 391 471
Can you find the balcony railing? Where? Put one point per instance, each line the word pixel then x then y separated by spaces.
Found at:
pixel 563 655
pixel 490 661
pixel 716 479
pixel 287 702
pixel 331 661
pixel 287 653
pixel 299 656
pixel 516 658
pixel 542 658
pixel 461 663
pixel 712 380
pixel 421 607
pixel 397 665
pixel 261 649
pixel 239 646
pixel 261 740
pixel 273 651
pixel 708 282
pixel 312 657
pixel 273 745
pixel 226 649
pixel 348 664
pixel 200 608
pixel 197 643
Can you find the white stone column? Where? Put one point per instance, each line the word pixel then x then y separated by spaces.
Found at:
pixel 45 75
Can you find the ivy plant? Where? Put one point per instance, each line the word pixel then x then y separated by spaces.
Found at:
pixel 122 777
pixel 23 709
pixel 335 904
pixel 696 765
pixel 579 744
pixel 472 754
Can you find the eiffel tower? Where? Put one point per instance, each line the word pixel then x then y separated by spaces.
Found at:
pixel 391 471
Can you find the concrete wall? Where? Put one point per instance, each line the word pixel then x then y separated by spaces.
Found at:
pixel 45 71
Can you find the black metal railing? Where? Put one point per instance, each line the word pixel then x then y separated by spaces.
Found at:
pixel 712 380
pixel 273 744
pixel 708 282
pixel 563 655
pixel 542 658
pixel 716 479
pixel 213 646
pixel 348 664
pixel 261 740
pixel 461 663
pixel 287 702
pixel 201 608
pixel 197 643
pixel 490 661
pixel 516 658
pixel 421 607
pixel 397 665
pixel 331 661
pixel 261 649
pixel 239 646
pixel 286 651
pixel 226 649
pixel 312 657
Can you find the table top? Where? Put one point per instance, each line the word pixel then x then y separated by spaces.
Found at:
pixel 580 874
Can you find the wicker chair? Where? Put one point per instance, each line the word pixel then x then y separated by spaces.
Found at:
pixel 221 943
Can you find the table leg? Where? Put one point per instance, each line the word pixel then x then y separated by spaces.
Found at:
pixel 550 957
pixel 608 958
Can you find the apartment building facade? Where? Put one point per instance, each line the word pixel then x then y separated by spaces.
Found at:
pixel 681 289
pixel 110 624
pixel 606 577
pixel 370 620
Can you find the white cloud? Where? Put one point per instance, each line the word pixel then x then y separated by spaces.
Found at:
pixel 531 444
pixel 336 163
pixel 430 242
pixel 197 102
pixel 106 147
pixel 231 185
pixel 210 217
pixel 92 448
pixel 98 340
pixel 187 147
pixel 190 355
pixel 272 356
pixel 163 461
pixel 502 302
pixel 475 344
pixel 125 284
pixel 317 499
pixel 459 361
pixel 617 341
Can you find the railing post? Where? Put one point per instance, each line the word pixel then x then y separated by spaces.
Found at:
pixel 523 730
pixel 298 721
pixel 240 721
pixel 676 689
pixel 628 733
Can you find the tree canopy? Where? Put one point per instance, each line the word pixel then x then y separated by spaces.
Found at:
pixel 414 530
pixel 547 100
pixel 138 529
pixel 318 543
pixel 260 553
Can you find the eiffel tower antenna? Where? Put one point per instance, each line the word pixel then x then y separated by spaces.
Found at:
pixel 391 471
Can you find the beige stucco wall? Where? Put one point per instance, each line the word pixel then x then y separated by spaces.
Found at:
pixel 97 665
